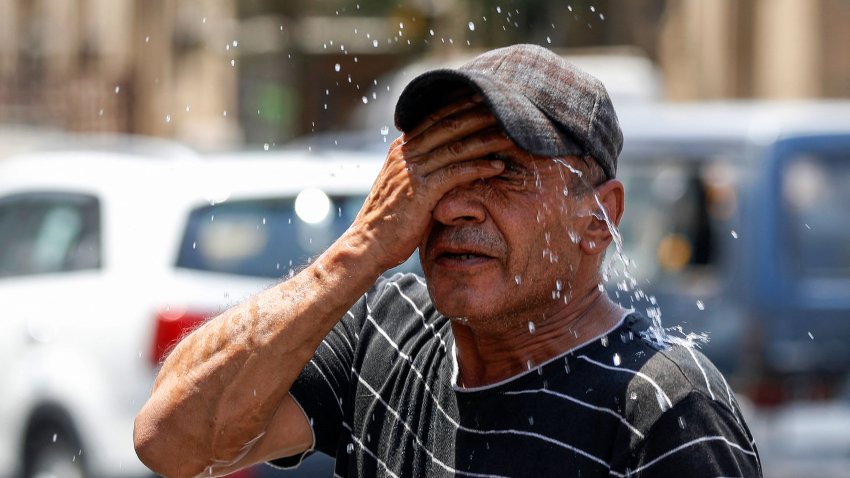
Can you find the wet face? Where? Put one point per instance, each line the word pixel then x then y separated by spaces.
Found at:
pixel 506 250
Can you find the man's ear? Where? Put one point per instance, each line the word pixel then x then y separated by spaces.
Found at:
pixel 597 235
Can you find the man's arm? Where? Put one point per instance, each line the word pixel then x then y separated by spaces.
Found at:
pixel 220 401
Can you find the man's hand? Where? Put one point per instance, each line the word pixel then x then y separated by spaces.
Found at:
pixel 447 150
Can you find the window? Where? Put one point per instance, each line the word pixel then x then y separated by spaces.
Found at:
pixel 44 233
pixel 674 210
pixel 816 193
pixel 267 237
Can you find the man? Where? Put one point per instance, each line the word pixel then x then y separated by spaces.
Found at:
pixel 511 361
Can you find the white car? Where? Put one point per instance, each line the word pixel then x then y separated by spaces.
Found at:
pixel 108 256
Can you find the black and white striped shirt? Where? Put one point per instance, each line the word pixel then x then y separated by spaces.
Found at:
pixel 380 396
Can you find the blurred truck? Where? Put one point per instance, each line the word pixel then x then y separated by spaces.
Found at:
pixel 737 225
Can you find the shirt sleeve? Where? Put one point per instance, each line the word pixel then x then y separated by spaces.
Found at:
pixel 323 383
pixel 700 438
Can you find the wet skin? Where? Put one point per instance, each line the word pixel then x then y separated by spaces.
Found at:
pixel 498 248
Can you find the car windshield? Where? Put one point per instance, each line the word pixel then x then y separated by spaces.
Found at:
pixel 675 211
pixel 816 192
pixel 267 237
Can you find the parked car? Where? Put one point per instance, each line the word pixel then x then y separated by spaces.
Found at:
pixel 107 256
pixel 737 226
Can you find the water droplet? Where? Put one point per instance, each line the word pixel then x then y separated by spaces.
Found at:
pixel 375 43
pixel 117 89
pixel 385 130
pixel 734 234
pixel 518 279
pixel 549 40
pixel 337 67
pixel 531 327
pixel 471 26
pixel 235 43
pixel 604 341
pixel 365 100
pixel 529 364
pixel 633 396
pixel 530 420
pixel 700 305
pixel 55 437
pixel 682 423
pixel 350 448
pixel 662 403
pixel 232 62
pixel 194 245
pixel 168 118
pixel 617 360
pixel 811 336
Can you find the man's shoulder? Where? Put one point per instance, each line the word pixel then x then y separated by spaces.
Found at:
pixel 684 370
pixel 667 371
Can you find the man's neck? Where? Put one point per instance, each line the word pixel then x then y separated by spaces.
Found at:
pixel 486 357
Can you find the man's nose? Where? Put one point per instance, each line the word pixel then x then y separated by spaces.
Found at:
pixel 461 205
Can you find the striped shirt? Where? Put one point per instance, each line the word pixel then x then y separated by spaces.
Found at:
pixel 381 397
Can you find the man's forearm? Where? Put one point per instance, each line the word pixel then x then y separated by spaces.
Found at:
pixel 220 387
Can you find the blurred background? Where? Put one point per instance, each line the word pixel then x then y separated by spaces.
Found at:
pixel 218 74
pixel 162 159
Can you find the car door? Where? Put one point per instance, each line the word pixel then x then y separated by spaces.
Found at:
pixel 44 238
pixel 806 256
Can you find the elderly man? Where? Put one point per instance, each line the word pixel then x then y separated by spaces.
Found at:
pixel 510 360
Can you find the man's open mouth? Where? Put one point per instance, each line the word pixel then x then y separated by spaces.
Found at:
pixel 463 255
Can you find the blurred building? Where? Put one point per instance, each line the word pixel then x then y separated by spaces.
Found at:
pixel 217 73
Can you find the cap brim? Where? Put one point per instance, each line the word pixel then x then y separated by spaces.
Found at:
pixel 520 118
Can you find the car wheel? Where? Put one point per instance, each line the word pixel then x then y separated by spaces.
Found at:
pixel 51 455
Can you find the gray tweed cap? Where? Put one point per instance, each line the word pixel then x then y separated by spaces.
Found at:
pixel 545 104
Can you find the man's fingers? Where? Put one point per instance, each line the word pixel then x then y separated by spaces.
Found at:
pixel 448 129
pixel 472 147
pixel 445 179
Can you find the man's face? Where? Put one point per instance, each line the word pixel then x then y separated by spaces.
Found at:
pixel 504 250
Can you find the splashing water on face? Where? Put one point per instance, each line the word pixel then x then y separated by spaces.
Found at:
pixel 622 266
